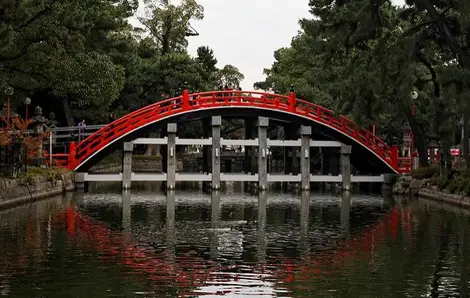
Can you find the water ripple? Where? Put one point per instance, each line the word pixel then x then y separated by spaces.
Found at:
pixel 105 246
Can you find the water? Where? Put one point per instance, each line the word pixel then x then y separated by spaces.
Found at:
pixel 135 245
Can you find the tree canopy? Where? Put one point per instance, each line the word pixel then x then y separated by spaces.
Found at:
pixel 83 59
pixel 364 58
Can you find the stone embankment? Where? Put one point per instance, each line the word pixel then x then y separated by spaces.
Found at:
pixel 406 185
pixel 16 192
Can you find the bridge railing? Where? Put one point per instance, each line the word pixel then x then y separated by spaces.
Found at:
pixel 58 159
pixel 62 136
pixel 187 102
pixel 123 126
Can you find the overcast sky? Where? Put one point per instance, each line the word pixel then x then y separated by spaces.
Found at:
pixel 245 33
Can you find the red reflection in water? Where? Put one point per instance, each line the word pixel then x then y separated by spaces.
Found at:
pixel 362 246
pixel 186 272
pixel 194 271
pixel 117 247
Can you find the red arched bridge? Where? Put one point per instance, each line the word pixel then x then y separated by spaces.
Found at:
pixel 367 146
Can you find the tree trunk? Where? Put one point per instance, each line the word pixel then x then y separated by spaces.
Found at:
pixel 465 143
pixel 419 137
pixel 445 162
pixel 166 36
pixel 153 149
pixel 442 166
pixel 67 112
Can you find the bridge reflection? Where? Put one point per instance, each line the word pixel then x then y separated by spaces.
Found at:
pixel 190 270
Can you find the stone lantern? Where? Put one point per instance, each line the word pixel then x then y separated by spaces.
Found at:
pixel 38 122
pixel 407 140
pixel 52 122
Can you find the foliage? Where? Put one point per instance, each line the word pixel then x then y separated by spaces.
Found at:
pixel 169 24
pixel 58 49
pixel 460 184
pixel 150 158
pixel 425 173
pixel 34 174
pixel 230 75
pixel 83 60
pixel 117 159
pixel 18 130
pixel 441 183
pixel 363 58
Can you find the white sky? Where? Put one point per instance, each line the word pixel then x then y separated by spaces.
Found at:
pixel 245 33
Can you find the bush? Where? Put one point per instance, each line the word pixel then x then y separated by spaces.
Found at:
pixel 464 174
pixel 441 183
pixel 146 157
pixel 117 159
pixel 34 173
pixel 425 173
pixel 110 159
pixel 459 185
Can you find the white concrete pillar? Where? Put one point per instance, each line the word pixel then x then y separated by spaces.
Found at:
pixel 127 165
pixel 263 124
pixel 305 134
pixel 171 157
pixel 346 167
pixel 216 122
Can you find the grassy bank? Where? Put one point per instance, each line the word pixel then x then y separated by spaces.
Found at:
pixel 34 173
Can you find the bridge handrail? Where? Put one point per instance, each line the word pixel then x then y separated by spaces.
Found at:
pixel 74 128
pixel 67 129
pixel 168 103
pixel 187 101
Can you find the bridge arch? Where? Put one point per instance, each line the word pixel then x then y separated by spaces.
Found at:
pixel 369 151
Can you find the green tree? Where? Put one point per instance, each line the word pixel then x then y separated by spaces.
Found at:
pixel 365 57
pixel 170 24
pixel 84 60
pixel 229 75
pixel 58 48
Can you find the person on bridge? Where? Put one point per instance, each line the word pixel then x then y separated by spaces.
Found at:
pixel 81 130
pixel 220 94
pixel 195 97
pixel 229 93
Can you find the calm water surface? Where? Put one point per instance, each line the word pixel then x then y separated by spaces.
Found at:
pixel 233 245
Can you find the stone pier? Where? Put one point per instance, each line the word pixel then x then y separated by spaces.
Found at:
pixel 346 167
pixel 263 124
pixel 305 133
pixel 171 157
pixel 216 151
pixel 127 165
